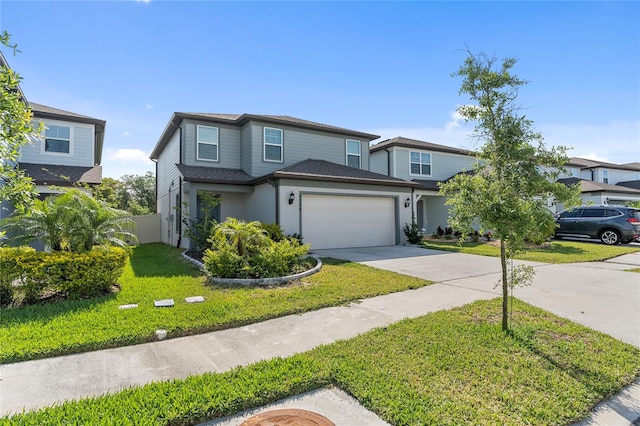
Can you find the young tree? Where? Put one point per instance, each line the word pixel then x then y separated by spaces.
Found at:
pixel 16 129
pixel 515 172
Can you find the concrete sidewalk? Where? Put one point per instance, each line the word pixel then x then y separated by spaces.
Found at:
pixel 462 279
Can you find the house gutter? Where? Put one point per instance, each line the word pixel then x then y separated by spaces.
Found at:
pixel 388 162
pixel 179 206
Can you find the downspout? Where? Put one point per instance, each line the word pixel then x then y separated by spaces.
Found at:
pixel 169 224
pixel 179 206
pixel 276 186
pixel 388 162
pixel 413 219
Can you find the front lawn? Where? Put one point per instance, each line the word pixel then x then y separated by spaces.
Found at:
pixel 157 271
pixel 448 367
pixel 555 252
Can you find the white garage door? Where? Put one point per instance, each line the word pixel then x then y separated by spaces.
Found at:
pixel 335 221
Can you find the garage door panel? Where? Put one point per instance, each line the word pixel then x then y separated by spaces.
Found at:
pixel 330 221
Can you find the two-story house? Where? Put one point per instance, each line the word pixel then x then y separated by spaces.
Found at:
pixel 603 183
pixel 425 164
pixel 308 177
pixel 68 151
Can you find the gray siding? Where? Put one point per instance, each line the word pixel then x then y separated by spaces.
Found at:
pixel 229 146
pixel 246 149
pixel 379 164
pixel 82 147
pixel 443 165
pixel 167 173
pixel 299 145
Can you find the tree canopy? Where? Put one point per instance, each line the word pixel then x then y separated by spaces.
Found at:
pixel 16 130
pixel 135 194
pixel 515 173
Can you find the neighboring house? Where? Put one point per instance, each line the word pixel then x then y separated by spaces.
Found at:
pixel 310 178
pixel 68 151
pixel 425 164
pixel 603 183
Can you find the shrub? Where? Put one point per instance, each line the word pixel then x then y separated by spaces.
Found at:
pixel 440 231
pixel 244 250
pixel 274 232
pixel 73 275
pixel 412 232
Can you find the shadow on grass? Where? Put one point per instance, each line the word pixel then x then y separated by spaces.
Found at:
pixel 557 249
pixel 160 260
pixel 44 312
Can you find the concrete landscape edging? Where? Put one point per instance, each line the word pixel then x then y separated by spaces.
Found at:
pixel 258 281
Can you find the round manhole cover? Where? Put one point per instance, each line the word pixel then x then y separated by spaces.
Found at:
pixel 288 417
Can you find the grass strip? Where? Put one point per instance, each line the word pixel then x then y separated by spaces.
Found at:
pixel 158 271
pixel 555 252
pixel 449 367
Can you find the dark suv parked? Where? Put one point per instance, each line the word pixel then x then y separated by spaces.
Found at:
pixel 610 224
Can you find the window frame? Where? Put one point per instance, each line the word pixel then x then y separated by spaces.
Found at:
pixel 43 147
pixel 348 154
pixel 216 143
pixel 265 144
pixel 605 176
pixel 430 163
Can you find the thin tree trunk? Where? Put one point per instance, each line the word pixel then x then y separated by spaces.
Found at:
pixel 505 286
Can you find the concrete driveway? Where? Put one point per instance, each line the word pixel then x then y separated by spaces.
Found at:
pixel 600 295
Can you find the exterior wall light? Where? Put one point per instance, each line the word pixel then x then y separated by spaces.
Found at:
pixel 292 197
pixel 407 202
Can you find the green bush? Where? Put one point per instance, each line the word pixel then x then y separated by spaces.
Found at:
pixel 73 275
pixel 245 250
pixel 412 232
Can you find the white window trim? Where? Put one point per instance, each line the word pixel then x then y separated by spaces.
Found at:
pixel 264 145
pixel 430 164
pixel 605 176
pixel 359 154
pixel 43 135
pixel 198 142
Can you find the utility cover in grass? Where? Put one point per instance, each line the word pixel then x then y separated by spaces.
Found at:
pixel 194 299
pixel 164 303
pixel 129 306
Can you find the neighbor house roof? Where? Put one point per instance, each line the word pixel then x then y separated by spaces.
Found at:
pixel 43 111
pixel 591 164
pixel 331 172
pixel 635 184
pixel 52 174
pixel 242 119
pixel 591 186
pixel 414 143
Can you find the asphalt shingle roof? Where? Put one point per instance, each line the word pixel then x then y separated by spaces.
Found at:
pixel 591 186
pixel 589 164
pixel 414 143
pixel 213 175
pixel 52 174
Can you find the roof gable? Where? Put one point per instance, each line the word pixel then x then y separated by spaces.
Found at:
pixel 400 141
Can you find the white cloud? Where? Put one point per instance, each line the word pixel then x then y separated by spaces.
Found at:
pixel 143 1
pixel 149 106
pixel 127 134
pixel 125 161
pixel 615 142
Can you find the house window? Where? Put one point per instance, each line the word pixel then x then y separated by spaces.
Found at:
pixel 353 153
pixel 272 144
pixel 420 163
pixel 57 139
pixel 605 176
pixel 207 143
pixel 208 206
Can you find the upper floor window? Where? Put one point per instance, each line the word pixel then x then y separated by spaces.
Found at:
pixel 207 143
pixel 272 144
pixel 605 176
pixel 575 172
pixel 353 153
pixel 420 163
pixel 57 139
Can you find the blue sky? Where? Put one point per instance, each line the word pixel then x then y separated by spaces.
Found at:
pixel 379 67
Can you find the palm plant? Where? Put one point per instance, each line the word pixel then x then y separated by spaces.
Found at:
pixel 72 221
pixel 242 235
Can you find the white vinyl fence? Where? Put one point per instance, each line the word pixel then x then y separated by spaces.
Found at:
pixel 147 228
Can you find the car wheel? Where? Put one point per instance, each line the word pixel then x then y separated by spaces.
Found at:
pixel 610 237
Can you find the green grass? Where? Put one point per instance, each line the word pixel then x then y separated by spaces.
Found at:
pixel 157 271
pixel 556 252
pixel 449 367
